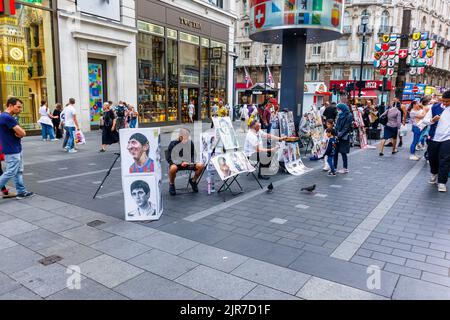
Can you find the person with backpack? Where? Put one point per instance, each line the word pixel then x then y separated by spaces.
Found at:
pixel 121 114
pixel 392 121
pixel 109 132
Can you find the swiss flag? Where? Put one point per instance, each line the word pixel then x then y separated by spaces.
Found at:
pixel 260 15
pixel 403 53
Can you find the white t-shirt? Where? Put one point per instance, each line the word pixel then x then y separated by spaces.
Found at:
pixel 69 112
pixel 191 109
pixel 45 119
pixel 252 141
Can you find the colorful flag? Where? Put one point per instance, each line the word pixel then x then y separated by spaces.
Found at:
pixel 270 76
pixel 248 79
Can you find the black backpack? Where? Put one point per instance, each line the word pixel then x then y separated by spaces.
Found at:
pixel 120 111
pixel 384 119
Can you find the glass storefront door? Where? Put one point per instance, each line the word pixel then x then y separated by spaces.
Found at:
pixel 188 96
pixel 97 89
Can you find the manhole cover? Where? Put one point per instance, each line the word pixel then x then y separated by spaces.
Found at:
pixel 95 223
pixel 50 260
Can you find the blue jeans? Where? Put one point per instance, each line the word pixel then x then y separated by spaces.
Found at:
pixel 133 122
pixel 344 159
pixel 14 170
pixel 330 160
pixel 70 134
pixel 416 131
pixel 47 130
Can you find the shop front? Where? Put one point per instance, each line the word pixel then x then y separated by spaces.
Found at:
pixel 182 60
pixel 370 91
pixel 27 56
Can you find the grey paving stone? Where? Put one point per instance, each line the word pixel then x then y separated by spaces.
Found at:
pixel 72 253
pixel 20 294
pixel 7 284
pixel 12 206
pixel 409 255
pixel 278 221
pixel 368 261
pixel 343 272
pixel 31 215
pixel 427 267
pixel 57 224
pixel 364 253
pixel 86 235
pixel 321 289
pixel 260 249
pixel 5 217
pixel 44 203
pixel 428 252
pixel 409 272
pixel 109 271
pixel 71 211
pixel 130 231
pixel 272 276
pixel 216 283
pixel 120 248
pixel 264 293
pixel 440 247
pixel 167 242
pixel 42 280
pixel 388 258
pixel 39 239
pixel 14 227
pixel 267 237
pixel 148 286
pixel 377 248
pixel 6 243
pixel 17 258
pixel 413 289
pixel 439 262
pixel 414 242
pixel 90 290
pixel 215 258
pixel 163 264
pixel 432 277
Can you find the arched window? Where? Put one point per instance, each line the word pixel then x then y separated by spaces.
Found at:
pixel 246 29
pixel 384 19
pixel 423 26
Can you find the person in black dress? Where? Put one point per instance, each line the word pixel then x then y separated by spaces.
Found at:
pixel 109 132
pixel 57 120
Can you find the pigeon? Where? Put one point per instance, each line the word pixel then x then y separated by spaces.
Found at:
pixel 309 189
pixel 270 188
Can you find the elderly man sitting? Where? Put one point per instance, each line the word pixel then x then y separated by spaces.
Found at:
pixel 181 154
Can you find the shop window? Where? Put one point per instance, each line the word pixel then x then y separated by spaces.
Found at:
pixel 205 71
pixel 151 82
pixel 219 77
pixel 189 63
pixel 172 70
pixel 27 67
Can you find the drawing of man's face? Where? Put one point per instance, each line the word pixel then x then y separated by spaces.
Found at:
pixel 140 196
pixel 224 127
pixel 136 149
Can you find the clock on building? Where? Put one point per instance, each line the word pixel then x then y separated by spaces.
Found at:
pixel 16 53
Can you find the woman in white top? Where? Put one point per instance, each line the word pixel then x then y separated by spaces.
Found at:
pixel 46 122
pixel 244 118
pixel 415 114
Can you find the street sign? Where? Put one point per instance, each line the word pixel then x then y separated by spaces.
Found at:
pixel 415 89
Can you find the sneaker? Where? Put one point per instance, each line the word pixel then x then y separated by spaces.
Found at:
pixel 381 154
pixel 326 169
pixel 433 179
pixel 72 151
pixel 172 190
pixel 419 147
pixel 332 174
pixel 414 157
pixel 193 185
pixel 102 150
pixel 343 171
pixel 394 152
pixel 8 194
pixel 25 195
pixel 442 187
pixel 54 140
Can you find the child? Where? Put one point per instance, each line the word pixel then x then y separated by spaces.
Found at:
pixel 331 151
pixel 329 125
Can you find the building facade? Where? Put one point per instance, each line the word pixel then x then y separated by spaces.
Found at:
pixel 338 62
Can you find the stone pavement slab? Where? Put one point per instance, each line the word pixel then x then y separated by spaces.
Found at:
pixel 20 294
pixel 120 248
pixel 72 253
pixel 57 224
pixel 321 289
pixel 167 242
pixel 7 284
pixel 86 235
pixel 275 277
pixel 90 290
pixel 31 215
pixel 215 258
pixel 5 217
pixel 195 231
pixel 44 203
pixel 109 271
pixel 163 264
pixel 6 243
pixel 17 258
pixel 129 230
pixel 264 293
pixel 149 286
pixel 12 205
pixel 40 239
pixel 14 227
pixel 216 284
pixel 413 289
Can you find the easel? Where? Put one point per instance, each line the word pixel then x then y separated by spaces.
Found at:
pixel 107 174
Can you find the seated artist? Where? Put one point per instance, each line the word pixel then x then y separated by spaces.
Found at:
pixel 253 144
pixel 180 158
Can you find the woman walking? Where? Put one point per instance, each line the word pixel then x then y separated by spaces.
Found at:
pixel 46 122
pixel 132 114
pixel 57 120
pixel 394 122
pixel 415 114
pixel 343 129
pixel 244 118
pixel 109 132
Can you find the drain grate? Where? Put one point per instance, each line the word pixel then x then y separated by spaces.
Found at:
pixel 95 223
pixel 50 260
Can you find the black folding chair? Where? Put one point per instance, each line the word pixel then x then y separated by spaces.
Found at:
pixel 166 154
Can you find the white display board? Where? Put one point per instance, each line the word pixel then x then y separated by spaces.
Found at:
pixel 141 173
pixel 231 164
pixel 224 129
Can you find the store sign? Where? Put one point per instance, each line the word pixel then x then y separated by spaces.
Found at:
pixel 109 9
pixel 191 24
pixel 366 84
pixel 8 6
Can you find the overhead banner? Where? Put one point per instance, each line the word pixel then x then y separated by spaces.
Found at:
pixel 141 173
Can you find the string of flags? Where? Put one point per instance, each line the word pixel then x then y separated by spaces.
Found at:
pixel 419 55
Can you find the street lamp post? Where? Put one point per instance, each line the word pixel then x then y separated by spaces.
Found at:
pixel 364 22
pixel 235 56
pixel 266 52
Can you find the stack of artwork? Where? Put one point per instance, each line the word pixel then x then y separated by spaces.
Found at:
pixel 290 154
pixel 141 173
pixel 361 128
pixel 316 132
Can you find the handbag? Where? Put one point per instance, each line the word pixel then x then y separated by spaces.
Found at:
pixel 384 119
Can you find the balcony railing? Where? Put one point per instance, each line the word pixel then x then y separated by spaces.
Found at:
pixel 385 29
pixel 369 30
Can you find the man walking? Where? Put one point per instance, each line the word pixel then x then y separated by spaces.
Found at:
pixel 10 138
pixel 439 142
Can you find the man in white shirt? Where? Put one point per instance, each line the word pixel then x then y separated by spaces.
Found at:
pixel 439 144
pixel 69 114
pixel 253 144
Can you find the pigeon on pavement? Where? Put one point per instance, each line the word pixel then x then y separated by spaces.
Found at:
pixel 309 189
